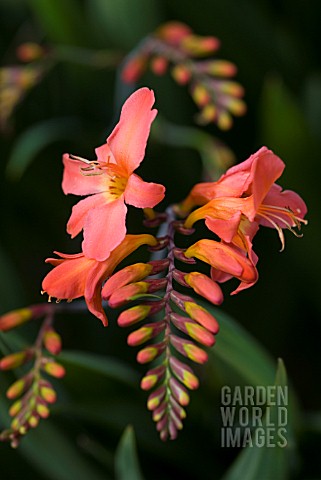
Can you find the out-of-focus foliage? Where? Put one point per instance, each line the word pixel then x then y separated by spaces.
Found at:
pixel 276 48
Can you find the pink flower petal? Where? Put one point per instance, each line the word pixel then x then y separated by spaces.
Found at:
pixel 104 229
pixel 128 139
pixel 104 154
pixel 224 228
pixel 142 194
pixel 74 181
pixel 80 211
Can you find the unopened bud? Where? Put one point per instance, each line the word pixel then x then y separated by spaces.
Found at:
pixel 179 392
pixel 48 394
pixel 197 46
pixel 179 255
pixel 133 69
pixel 19 386
pixel 15 360
pixel 127 293
pixel 148 354
pixel 42 410
pixel 161 424
pixel 181 74
pixel 184 373
pixel 176 420
pixel 193 329
pixel 130 274
pixel 188 349
pixel 133 315
pixel 218 68
pixel 156 397
pixel 145 333
pixel 54 369
pixel 15 318
pixel 201 95
pixel 152 377
pixel 159 412
pixel 180 412
pixel 202 316
pixel 52 341
pixel 15 408
pixel 205 287
pixel 159 65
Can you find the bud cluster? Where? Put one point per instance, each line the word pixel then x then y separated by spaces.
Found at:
pixel 32 393
pixel 175 47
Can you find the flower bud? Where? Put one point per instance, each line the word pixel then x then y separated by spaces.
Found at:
pixel 172 429
pixel 179 392
pixel 184 373
pixel 179 410
pixel 15 408
pixel 15 360
pixel 133 315
pixel 159 412
pixel 19 386
pixel 181 74
pixel 133 69
pixel 201 95
pixel 42 410
pixel 188 349
pixel 197 46
pixel 15 318
pixel 127 293
pixel 193 329
pixel 52 341
pixel 48 394
pixel 176 420
pixel 54 369
pixel 148 331
pixel 161 424
pixel 173 32
pixel 179 255
pixel 152 377
pixel 148 354
pixel 156 397
pixel 202 316
pixel 205 287
pixel 130 274
pixel 218 68
pixel 159 65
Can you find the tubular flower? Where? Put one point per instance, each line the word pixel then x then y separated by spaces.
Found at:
pixel 77 276
pixel 248 191
pixel 110 180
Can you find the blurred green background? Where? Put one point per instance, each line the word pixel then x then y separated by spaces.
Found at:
pixel 275 45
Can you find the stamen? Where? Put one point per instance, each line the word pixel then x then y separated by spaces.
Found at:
pixel 277 228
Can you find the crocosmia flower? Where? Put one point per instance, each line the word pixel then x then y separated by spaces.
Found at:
pixel 76 276
pixel 248 191
pixel 110 181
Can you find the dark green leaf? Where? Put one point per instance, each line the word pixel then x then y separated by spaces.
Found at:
pixel 126 461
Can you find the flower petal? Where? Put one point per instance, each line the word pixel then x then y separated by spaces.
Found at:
pixel 80 211
pixel 67 280
pixel 286 199
pixel 76 182
pixel 92 293
pixel 104 229
pixel 128 139
pixel 142 194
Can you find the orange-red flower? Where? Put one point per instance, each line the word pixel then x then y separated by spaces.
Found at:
pixel 247 192
pixel 110 180
pixel 77 276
